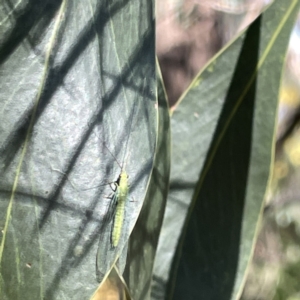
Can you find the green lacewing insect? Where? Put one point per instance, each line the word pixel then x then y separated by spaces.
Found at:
pixel 116 213
pixel 116 217
pixel 120 194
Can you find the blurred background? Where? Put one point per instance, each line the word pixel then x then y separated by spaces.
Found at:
pixel 188 34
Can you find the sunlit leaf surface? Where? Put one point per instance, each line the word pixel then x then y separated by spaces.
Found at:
pixel 77 98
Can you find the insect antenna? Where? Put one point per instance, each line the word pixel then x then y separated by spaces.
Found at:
pixel 130 127
pixel 112 155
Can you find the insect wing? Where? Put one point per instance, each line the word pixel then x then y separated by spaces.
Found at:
pixel 121 263
pixel 102 265
pixel 112 205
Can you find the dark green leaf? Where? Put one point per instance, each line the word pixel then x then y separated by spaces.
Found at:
pixel 222 133
pixel 78 96
pixel 144 238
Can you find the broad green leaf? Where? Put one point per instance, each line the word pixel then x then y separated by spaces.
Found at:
pixel 144 238
pixel 78 103
pixel 222 146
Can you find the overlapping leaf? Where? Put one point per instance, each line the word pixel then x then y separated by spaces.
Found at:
pixel 222 134
pixel 144 238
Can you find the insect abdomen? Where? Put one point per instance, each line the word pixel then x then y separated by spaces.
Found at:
pixel 122 192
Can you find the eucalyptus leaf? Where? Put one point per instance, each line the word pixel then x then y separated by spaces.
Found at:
pixel 78 99
pixel 144 238
pixel 222 147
